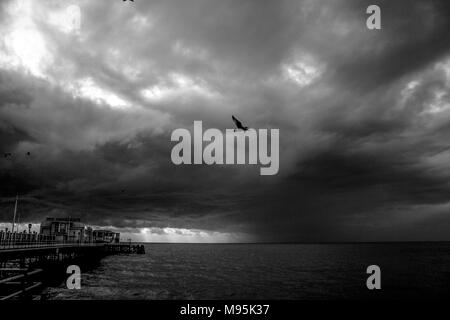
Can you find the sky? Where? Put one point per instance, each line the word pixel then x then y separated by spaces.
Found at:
pixel 363 116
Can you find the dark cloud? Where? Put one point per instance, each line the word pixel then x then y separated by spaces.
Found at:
pixel 363 116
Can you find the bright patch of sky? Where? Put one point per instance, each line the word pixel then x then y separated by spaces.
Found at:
pixel 24 47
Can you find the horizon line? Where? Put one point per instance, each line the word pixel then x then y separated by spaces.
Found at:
pixel 302 242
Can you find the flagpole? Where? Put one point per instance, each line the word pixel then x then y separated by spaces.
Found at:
pixel 18 221
pixel 15 211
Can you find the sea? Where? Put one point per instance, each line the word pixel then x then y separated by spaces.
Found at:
pixel 267 271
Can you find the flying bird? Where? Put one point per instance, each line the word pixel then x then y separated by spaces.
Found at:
pixel 238 124
pixel 28 153
pixel 7 154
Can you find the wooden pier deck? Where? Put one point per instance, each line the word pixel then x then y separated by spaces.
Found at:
pixel 25 267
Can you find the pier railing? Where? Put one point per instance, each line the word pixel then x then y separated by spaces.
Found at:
pixel 16 240
pixel 21 245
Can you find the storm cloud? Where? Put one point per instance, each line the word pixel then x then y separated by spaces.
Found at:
pixel 363 117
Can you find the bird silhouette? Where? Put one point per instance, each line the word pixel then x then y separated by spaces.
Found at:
pixel 28 153
pixel 238 124
pixel 7 154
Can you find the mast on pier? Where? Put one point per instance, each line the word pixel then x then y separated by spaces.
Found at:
pixel 15 211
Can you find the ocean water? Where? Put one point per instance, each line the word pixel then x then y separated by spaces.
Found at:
pixel 268 271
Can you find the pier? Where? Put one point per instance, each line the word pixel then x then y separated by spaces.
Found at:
pixel 27 266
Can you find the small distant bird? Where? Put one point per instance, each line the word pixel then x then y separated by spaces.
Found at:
pixel 28 153
pixel 7 154
pixel 238 124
